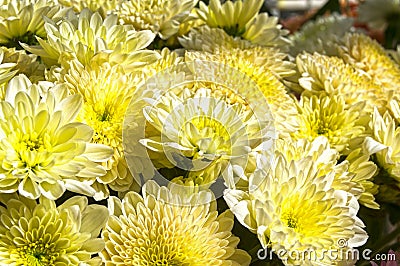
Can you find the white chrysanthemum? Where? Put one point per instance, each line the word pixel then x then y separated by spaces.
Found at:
pixel 22 20
pixel 241 19
pixel 105 7
pixel 6 73
pixel 329 75
pixel 294 208
pixel 330 117
pixel 42 234
pixel 201 117
pixel 43 150
pixel 320 35
pixel 377 13
pixel 362 52
pixel 153 230
pixel 87 37
pixel 354 174
pixel 162 17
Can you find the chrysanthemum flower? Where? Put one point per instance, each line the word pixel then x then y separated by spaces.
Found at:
pixel 384 143
pixel 42 234
pixel 265 66
pixel 105 7
pixel 167 59
pixel 320 35
pixel 354 174
pixel 329 75
pixel 106 92
pixel 87 37
pixel 330 117
pixel 208 120
pixel 362 52
pixel 241 19
pixel 208 39
pixel 294 208
pixel 43 150
pixel 377 14
pixel 22 20
pixel 153 230
pixel 162 17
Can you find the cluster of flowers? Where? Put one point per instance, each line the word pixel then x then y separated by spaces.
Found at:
pixel 162 107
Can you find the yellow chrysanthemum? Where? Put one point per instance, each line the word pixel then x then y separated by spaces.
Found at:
pixel 22 20
pixel 330 117
pixel 162 17
pixel 167 59
pixel 241 19
pixel 42 234
pixel 206 119
pixel 384 143
pixel 153 230
pixel 294 208
pixel 106 92
pixel 329 75
pixel 354 174
pixel 43 150
pixel 362 52
pixel 105 7
pixel 264 66
pixel 87 37
pixel 6 73
pixel 320 35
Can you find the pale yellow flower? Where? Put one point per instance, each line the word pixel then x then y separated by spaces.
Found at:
pixel 88 37
pixel 241 19
pixel 330 117
pixel 162 17
pixel 206 119
pixel 156 230
pixel 105 7
pixel 42 234
pixel 43 150
pixel 22 20
pixel 265 66
pixel 330 75
pixel 167 59
pixel 106 92
pixel 362 52
pixel 293 207
pixel 320 35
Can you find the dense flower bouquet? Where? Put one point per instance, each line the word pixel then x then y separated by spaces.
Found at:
pixel 190 133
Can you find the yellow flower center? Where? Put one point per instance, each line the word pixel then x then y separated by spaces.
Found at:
pixel 37 254
pixel 290 220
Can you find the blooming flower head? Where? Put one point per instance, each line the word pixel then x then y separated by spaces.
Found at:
pixel 22 20
pixel 106 92
pixel 366 54
pixel 206 119
pixel 87 36
pixel 160 229
pixel 377 14
pixel 241 19
pixel 328 116
pixel 265 66
pixel 294 208
pixel 330 75
pixel 43 150
pixel 354 174
pixel 320 35
pixel 39 233
pixel 162 17
pixel 104 7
